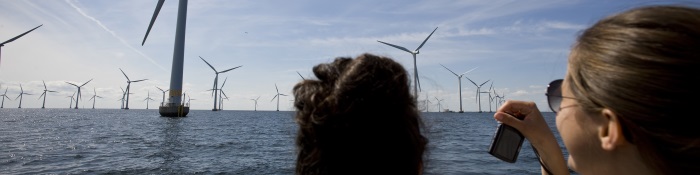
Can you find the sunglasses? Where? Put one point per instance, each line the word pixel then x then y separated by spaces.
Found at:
pixel 554 96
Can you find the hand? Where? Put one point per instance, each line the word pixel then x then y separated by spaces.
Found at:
pixel 529 120
pixel 532 125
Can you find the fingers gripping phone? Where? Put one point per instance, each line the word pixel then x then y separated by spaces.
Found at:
pixel 506 143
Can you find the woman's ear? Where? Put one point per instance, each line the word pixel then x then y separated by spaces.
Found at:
pixel 610 131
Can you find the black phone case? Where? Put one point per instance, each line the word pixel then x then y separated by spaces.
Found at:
pixel 497 140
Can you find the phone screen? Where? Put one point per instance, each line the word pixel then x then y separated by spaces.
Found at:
pixel 506 143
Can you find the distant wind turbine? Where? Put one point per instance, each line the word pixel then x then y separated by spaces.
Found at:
pixel 163 94
pixel 459 80
pixel 44 94
pixel 189 99
pixel 71 100
pixel 439 104
pixel 478 92
pixel 490 97
pixel 78 95
pixel 94 97
pixel 256 103
pixel 128 87
pixel 148 99
pixel 222 94
pixel 17 37
pixel 216 80
pixel 416 80
pixel 21 93
pixel 278 96
pixel 427 103
pixel 4 96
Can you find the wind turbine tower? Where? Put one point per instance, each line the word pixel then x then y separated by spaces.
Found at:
pixel 175 106
pixel 216 80
pixel 490 97
pixel 478 92
pixel 278 96
pixel 44 94
pixel 128 87
pixel 21 93
pixel 459 81
pixel 15 38
pixel 416 80
pixel 78 95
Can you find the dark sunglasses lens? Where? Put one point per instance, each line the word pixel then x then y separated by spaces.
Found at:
pixel 554 95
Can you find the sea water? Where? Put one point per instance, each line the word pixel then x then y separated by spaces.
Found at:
pixel 139 141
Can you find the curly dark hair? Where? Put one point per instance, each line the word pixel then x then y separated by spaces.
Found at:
pixel 358 118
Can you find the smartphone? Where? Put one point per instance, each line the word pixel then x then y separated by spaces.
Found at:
pixel 506 143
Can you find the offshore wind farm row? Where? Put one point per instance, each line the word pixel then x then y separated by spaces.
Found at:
pixel 218 94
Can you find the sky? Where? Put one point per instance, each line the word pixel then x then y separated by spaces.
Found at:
pixel 518 46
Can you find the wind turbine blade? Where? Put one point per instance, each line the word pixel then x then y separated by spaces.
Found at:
pixel 42 94
pixel 222 84
pixel 138 80
pixel 395 46
pixel 426 39
pixel 153 19
pixel 18 96
pixel 51 91
pixel 85 83
pixel 491 87
pixel 273 98
pixel 257 98
pixel 471 81
pixel 278 90
pixel 449 70
pixel 484 83
pixel 44 84
pixel 127 77
pixel 72 84
pixel 224 93
pixel 160 89
pixel 418 81
pixel 229 69
pixel 302 77
pixel 283 95
pixel 205 61
pixel 19 36
pixel 469 71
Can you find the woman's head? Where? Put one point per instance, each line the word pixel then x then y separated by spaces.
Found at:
pixel 358 117
pixel 640 67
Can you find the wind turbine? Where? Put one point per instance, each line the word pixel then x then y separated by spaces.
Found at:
pixel 256 103
pixel 163 94
pixel 20 95
pixel 427 103
pixel 16 37
pixel 175 106
pixel 78 95
pixel 216 79
pixel 4 96
pixel 278 96
pixel 189 99
pixel 94 98
pixel 416 80
pixel 148 99
pixel 71 100
pixel 128 87
pixel 438 101
pixel 44 94
pixel 490 97
pixel 222 95
pixel 478 92
pixel 459 80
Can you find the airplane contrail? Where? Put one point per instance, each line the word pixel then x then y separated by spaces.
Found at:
pixel 114 35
